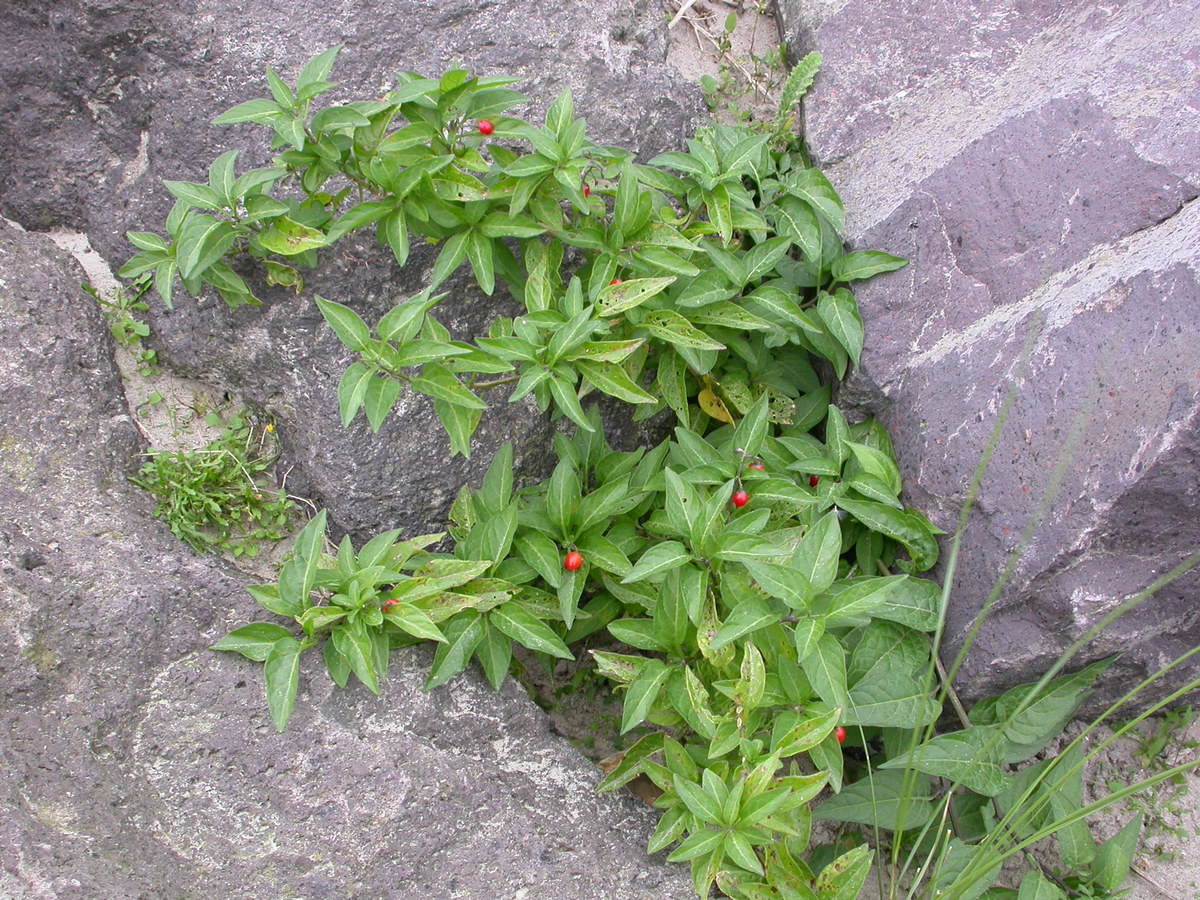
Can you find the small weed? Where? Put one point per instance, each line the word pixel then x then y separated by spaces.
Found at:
pixel 126 327
pixel 745 80
pixel 216 498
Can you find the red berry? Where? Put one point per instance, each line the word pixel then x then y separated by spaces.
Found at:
pixel 740 499
pixel 757 466
pixel 572 561
pixel 486 127
pixel 587 191
pixel 615 281
pixel 389 603
pixel 840 734
pixel 812 480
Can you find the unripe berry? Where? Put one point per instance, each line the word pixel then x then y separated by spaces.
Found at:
pixel 486 127
pixel 740 499
pixel 840 734
pixel 572 561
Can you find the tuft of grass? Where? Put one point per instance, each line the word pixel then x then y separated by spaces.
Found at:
pixel 218 498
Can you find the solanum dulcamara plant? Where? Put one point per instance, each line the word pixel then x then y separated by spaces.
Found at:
pixel 749 584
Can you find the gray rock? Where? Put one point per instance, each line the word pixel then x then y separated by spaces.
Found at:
pixel 1037 164
pixel 135 763
pixel 105 99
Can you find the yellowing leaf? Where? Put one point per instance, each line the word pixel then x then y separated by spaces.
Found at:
pixel 713 407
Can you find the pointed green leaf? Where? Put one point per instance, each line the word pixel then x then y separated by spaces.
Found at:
pixel 252 641
pixel 281 670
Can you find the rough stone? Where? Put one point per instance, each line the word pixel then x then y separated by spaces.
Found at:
pixel 102 100
pixel 1037 162
pixel 135 763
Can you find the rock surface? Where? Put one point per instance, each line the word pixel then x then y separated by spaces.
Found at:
pixel 1038 163
pixel 104 99
pixel 135 763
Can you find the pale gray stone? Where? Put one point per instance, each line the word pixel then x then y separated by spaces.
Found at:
pixel 1037 163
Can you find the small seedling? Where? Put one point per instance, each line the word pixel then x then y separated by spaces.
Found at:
pixel 128 330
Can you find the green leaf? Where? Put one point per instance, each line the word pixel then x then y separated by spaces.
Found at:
pixel 288 238
pixel 1032 717
pixel 1113 858
pixel 260 111
pixel 336 664
pixel 318 68
pixel 252 641
pixel 699 802
pixel 816 556
pixel 751 431
pixel 562 497
pixel 454 251
pixel 354 643
pixel 601 504
pixel 463 634
pixel 356 217
pixel 891 696
pixel 670 326
pixel 1074 837
pixel 614 381
pixel 529 631
pixel 806 734
pixel 442 384
pixel 798 82
pixel 352 389
pixel 839 312
pixel 908 528
pixel 204 240
pixel 784 582
pixel 337 118
pixel 495 655
pixel 1036 886
pixel 898 598
pixel 811 186
pixel 605 351
pixel 561 114
pixel 970 758
pixel 863 264
pixel 651 675
pixel 751 614
pixel 825 669
pixel 697 845
pixel 196 194
pixel 633 762
pixel 542 554
pixel 658 560
pixel 298 575
pixel 281 670
pixel 414 621
pixel 379 399
pixel 618 298
pixel 567 401
pixel 729 315
pixel 843 879
pixel 460 423
pixel 346 324
pixel 889 799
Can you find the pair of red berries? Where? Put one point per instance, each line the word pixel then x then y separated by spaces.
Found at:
pixel 573 561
